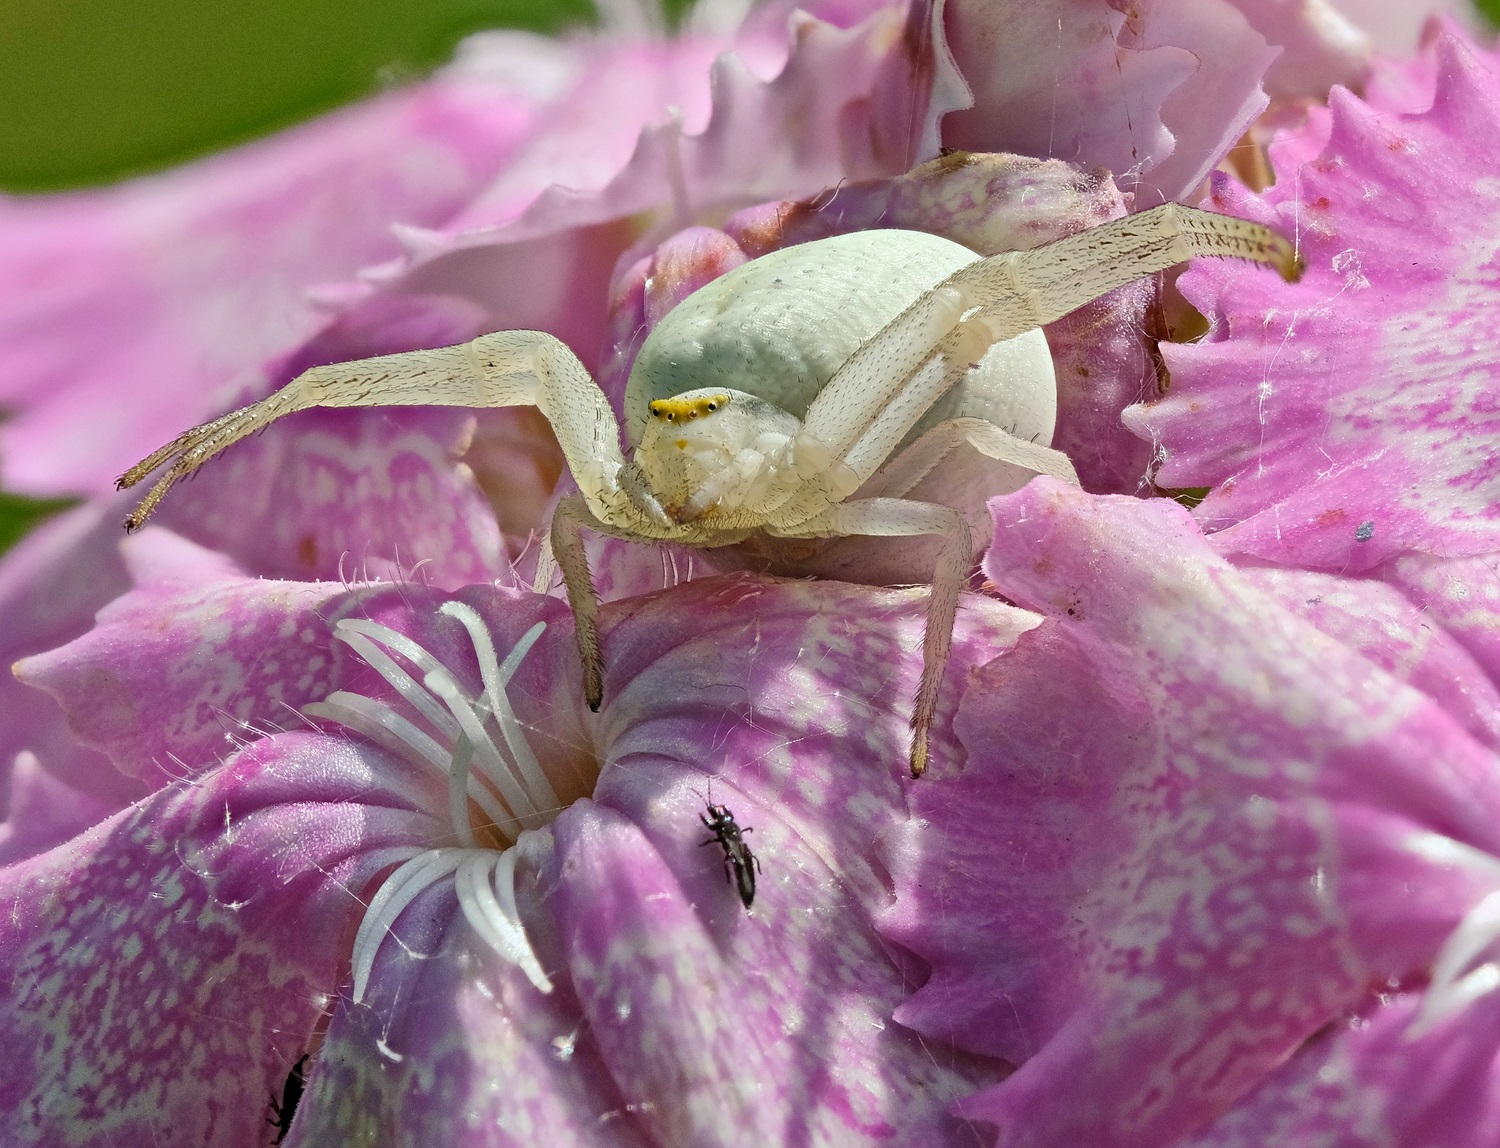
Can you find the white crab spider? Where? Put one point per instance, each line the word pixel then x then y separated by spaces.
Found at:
pixel 778 451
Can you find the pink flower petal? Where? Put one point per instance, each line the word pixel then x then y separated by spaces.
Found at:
pixel 1366 1084
pixel 1156 92
pixel 44 812
pixel 153 297
pixel 199 657
pixel 1192 830
pixel 1406 635
pixel 50 586
pixel 750 139
pixel 802 729
pixel 1462 595
pixel 1319 48
pixel 334 496
pixel 1396 26
pixel 181 669
pixel 168 967
pixel 1348 419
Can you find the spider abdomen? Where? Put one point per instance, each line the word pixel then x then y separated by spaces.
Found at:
pixel 780 326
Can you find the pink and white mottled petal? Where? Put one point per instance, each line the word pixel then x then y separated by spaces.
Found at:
pixel 167 967
pixel 349 494
pixel 1396 633
pixel 1200 827
pixel 784 672
pixel 176 674
pixel 681 1037
pixel 1460 594
pixel 784 701
pixel 1364 1084
pixel 1156 93
pixel 330 495
pixel 721 1025
pixel 151 298
pixel 441 1022
pixel 1350 418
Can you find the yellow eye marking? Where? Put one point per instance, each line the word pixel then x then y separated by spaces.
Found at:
pixel 684 410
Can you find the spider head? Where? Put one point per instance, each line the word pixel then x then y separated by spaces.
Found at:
pixel 714 451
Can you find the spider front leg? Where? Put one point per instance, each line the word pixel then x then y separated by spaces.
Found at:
pixel 872 402
pixel 633 522
pixel 1020 290
pixel 508 368
pixel 896 517
pixel 568 520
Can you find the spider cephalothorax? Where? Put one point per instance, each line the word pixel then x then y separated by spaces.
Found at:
pixel 769 397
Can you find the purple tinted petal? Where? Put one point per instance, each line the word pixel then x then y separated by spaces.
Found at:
pixel 165 289
pixel 1319 48
pixel 1366 1085
pixel 348 494
pixel 179 670
pixel 51 584
pixel 1155 92
pixel 735 1027
pixel 1400 634
pixel 1350 418
pixel 1192 830
pixel 1462 595
pixel 44 811
pixel 456 1048
pixel 754 139
pixel 167 967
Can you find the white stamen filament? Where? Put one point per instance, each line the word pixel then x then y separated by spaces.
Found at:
pixel 495 680
pixel 510 793
pixel 1467 968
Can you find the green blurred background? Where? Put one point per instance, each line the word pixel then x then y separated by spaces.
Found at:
pixel 93 90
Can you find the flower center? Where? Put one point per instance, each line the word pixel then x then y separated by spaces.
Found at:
pixel 501 780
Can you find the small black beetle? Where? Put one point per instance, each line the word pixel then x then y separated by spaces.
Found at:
pixel 740 864
pixel 291 1094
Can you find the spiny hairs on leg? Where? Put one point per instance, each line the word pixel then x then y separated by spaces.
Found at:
pixel 192 448
pixel 1227 235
